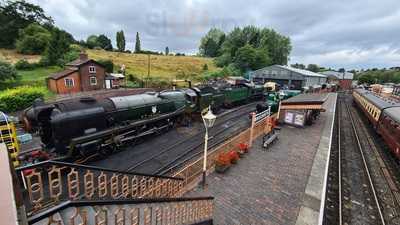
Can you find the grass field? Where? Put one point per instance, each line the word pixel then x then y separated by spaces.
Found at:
pixel 161 67
pixel 12 56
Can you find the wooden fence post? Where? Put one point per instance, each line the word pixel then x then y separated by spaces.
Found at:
pixel 253 122
pixel 11 203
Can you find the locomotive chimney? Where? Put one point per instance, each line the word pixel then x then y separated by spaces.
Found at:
pixel 83 56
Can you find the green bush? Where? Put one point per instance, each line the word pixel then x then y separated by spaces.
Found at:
pixel 23 64
pixel 20 98
pixel 108 65
pixel 71 56
pixel 33 39
pixel 44 61
pixel 7 71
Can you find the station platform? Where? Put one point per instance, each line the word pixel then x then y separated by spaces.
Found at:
pixel 283 185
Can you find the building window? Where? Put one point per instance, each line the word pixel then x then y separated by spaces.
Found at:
pixel 69 82
pixel 92 69
pixel 93 81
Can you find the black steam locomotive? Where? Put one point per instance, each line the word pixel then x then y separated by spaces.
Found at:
pixel 81 127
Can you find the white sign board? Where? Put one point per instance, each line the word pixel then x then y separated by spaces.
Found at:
pixel 289 117
pixel 299 119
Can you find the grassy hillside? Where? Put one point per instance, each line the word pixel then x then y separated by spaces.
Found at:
pixel 161 67
pixel 12 56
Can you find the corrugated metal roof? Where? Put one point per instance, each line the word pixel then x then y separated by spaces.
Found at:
pixel 303 72
pixel 347 75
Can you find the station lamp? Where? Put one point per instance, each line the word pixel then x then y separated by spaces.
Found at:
pixel 208 120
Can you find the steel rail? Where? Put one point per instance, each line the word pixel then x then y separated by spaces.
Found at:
pixel 189 139
pixel 182 160
pixel 365 164
pixel 340 170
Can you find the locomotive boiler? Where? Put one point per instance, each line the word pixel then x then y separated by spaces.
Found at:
pixel 86 125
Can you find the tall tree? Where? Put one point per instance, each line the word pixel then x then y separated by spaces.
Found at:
pixel 211 43
pixel 33 39
pixel 313 68
pixel 91 41
pixel 16 15
pixel 250 58
pixel 298 66
pixel 210 48
pixel 137 44
pixel 58 47
pixel 264 47
pixel 104 42
pixel 121 41
pixel 166 50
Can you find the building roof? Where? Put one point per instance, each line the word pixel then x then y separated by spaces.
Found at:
pixel 114 76
pixel 375 99
pixel 394 113
pixel 117 75
pixel 339 75
pixel 306 99
pixel 78 62
pixel 303 72
pixel 61 74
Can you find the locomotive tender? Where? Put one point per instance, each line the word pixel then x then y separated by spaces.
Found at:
pixel 84 126
pixel 383 114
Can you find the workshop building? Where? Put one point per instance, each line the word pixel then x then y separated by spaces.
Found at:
pixel 289 77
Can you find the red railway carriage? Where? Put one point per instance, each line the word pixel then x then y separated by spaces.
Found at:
pixel 383 114
pixel 370 104
pixel 389 129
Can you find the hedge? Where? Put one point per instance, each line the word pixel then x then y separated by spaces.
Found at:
pixel 23 64
pixel 20 98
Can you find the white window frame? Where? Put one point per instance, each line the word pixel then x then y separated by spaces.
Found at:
pixel 90 80
pixel 92 69
pixel 71 79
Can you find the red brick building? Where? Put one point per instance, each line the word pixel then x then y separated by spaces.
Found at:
pixel 82 74
pixel 344 80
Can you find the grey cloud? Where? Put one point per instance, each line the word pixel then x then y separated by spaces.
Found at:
pixel 353 34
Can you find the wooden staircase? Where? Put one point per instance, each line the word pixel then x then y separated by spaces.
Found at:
pixel 63 193
pixel 133 212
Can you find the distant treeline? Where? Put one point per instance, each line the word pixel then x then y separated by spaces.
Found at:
pixel 372 76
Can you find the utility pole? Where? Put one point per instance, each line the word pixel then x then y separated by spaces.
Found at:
pixel 148 69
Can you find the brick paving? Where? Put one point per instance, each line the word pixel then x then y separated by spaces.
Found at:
pixel 266 187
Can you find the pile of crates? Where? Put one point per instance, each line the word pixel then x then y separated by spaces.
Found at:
pixel 8 135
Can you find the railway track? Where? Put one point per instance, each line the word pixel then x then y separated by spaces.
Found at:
pixel 362 188
pixel 164 160
pixel 115 160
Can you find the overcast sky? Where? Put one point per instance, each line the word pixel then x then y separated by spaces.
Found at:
pixel 350 34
